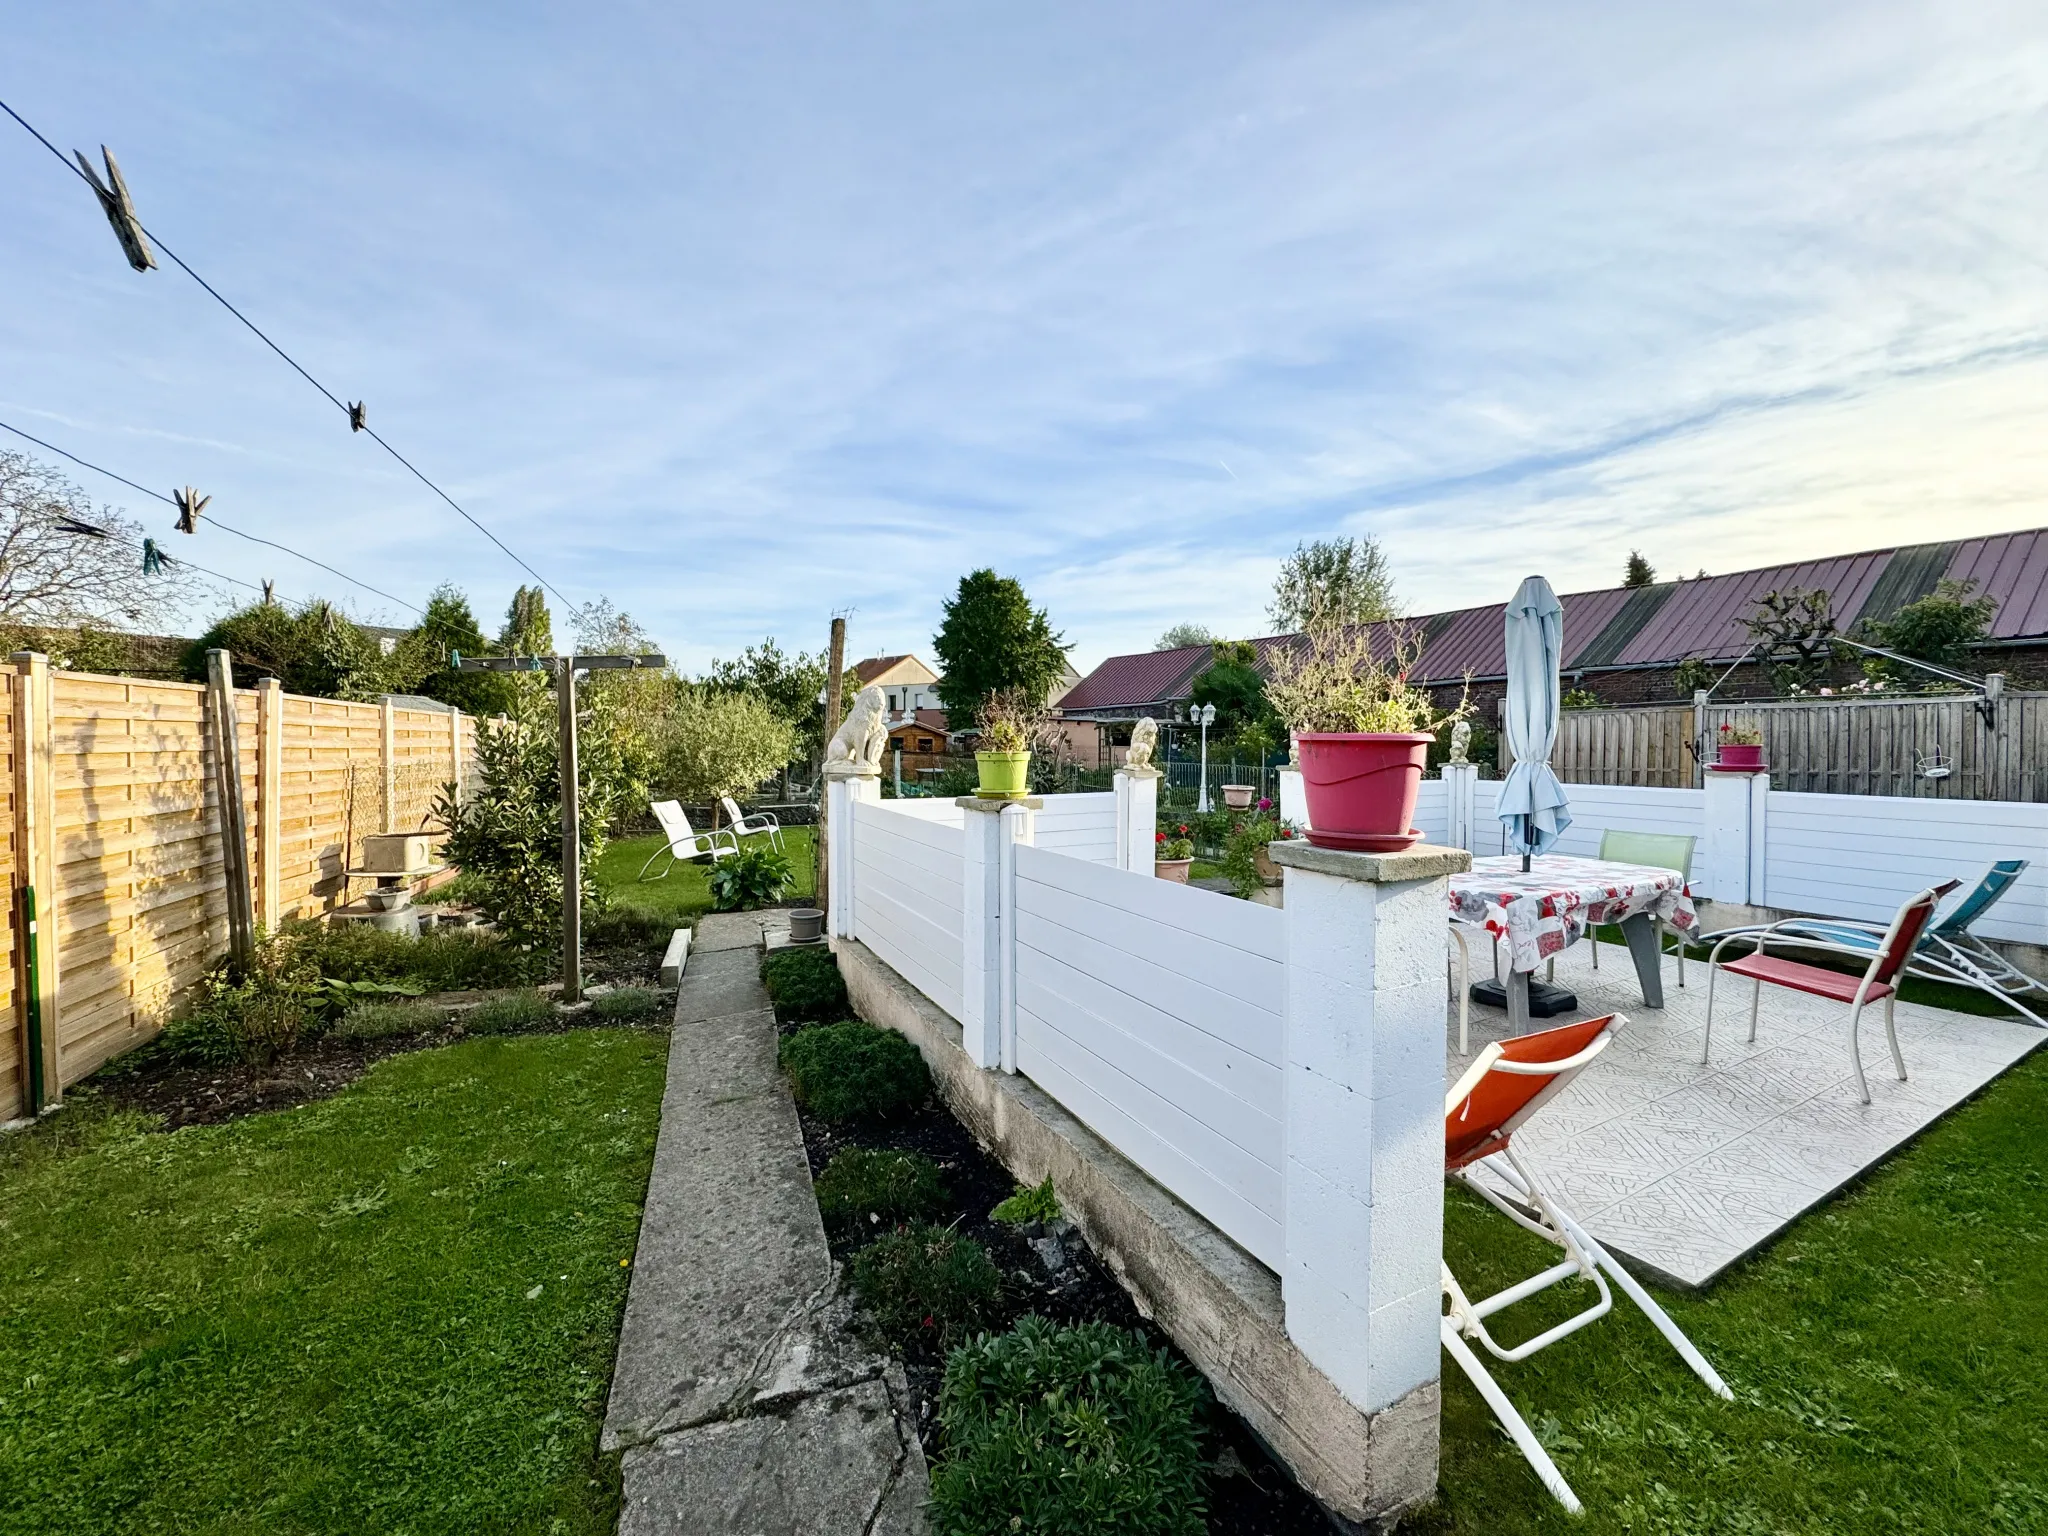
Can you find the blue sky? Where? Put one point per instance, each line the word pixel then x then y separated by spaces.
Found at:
pixel 741 315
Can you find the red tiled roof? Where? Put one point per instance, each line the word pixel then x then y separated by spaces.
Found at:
pixel 1660 625
pixel 872 667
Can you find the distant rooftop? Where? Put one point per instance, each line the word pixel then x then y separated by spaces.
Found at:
pixel 1659 625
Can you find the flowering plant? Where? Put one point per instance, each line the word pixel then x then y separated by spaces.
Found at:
pixel 1741 733
pixel 1179 846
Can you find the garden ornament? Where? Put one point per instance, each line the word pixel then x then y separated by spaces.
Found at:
pixel 1144 736
pixel 1461 741
pixel 856 747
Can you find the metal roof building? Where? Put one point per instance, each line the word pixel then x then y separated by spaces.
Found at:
pixel 1621 629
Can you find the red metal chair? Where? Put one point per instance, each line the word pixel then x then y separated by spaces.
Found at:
pixel 1508 1082
pixel 1877 980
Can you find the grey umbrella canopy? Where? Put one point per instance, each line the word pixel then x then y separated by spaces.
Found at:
pixel 1532 801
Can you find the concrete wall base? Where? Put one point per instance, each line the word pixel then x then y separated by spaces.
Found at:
pixel 1220 1305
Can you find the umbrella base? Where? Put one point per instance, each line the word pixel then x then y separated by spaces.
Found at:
pixel 1367 842
pixel 1545 1001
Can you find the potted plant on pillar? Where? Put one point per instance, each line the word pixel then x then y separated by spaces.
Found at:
pixel 1740 746
pixel 1362 731
pixel 1002 757
pixel 1174 855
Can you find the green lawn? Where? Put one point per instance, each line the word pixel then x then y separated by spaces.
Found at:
pixel 684 894
pixel 393 1310
pixel 1889 1358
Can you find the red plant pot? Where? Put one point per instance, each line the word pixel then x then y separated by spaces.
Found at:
pixel 1734 755
pixel 1362 787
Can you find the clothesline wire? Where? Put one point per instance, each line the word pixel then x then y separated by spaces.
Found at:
pixel 297 368
pixel 210 521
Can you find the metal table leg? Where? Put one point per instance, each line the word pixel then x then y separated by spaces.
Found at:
pixel 1517 987
pixel 1648 954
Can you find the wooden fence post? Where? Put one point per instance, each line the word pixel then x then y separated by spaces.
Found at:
pixel 387 761
pixel 35 841
pixel 269 799
pixel 234 821
pixel 455 753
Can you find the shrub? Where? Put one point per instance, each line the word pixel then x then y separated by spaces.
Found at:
pixel 620 927
pixel 1068 1429
pixel 441 960
pixel 256 1016
pixel 509 1014
pixel 860 1184
pixel 926 1285
pixel 380 1021
pixel 1034 1202
pixel 804 984
pixel 854 1071
pixel 626 1005
pixel 753 877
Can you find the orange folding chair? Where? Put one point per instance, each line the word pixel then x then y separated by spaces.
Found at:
pixel 1878 981
pixel 1508 1082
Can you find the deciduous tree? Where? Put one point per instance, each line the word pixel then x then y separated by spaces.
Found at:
pixel 66 563
pixel 1348 581
pixel 994 641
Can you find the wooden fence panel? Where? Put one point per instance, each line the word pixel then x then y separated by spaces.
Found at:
pixel 1644 748
pixel 1896 747
pixel 133 895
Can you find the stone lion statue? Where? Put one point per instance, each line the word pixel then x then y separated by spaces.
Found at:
pixel 1144 736
pixel 1461 741
pixel 857 745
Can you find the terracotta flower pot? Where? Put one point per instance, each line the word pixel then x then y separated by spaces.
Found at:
pixel 1238 797
pixel 1269 872
pixel 1004 775
pixel 1175 870
pixel 1735 755
pixel 1362 787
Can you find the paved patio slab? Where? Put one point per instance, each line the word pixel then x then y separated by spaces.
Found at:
pixel 1684 1169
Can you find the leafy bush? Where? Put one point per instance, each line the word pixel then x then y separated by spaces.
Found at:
pixel 1241 850
pixel 854 1071
pixel 509 1014
pixel 1032 1202
pixel 928 1285
pixel 804 984
pixel 380 1021
pixel 440 960
pixel 1068 1429
pixel 626 1005
pixel 753 877
pixel 255 1017
pixel 861 1184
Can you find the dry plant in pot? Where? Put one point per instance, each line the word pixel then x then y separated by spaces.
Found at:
pixel 1003 756
pixel 1362 731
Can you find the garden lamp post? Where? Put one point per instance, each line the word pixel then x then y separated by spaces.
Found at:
pixel 1206 716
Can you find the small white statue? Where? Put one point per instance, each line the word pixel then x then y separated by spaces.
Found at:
pixel 856 747
pixel 1138 759
pixel 1461 741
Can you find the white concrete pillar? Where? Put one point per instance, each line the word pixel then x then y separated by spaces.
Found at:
pixel 844 786
pixel 1293 798
pixel 1460 780
pixel 1363 1113
pixel 1729 863
pixel 988 948
pixel 1137 819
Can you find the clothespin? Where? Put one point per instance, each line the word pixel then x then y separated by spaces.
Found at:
pixel 358 418
pixel 269 593
pixel 190 504
pixel 120 210
pixel 72 525
pixel 154 560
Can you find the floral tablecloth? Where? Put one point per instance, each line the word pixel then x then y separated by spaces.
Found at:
pixel 1541 912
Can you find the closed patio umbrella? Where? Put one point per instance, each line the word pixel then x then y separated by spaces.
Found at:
pixel 1532 802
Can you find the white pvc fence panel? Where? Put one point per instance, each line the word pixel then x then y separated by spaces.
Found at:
pixel 1597 807
pixel 1432 812
pixel 908 902
pixel 928 808
pixel 1863 855
pixel 1080 826
pixel 1153 1013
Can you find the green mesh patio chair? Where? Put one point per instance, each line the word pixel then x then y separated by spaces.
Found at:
pixel 1657 850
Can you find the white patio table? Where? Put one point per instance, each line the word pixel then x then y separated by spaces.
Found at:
pixel 1541 912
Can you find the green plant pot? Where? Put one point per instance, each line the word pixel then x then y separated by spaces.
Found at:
pixel 1004 775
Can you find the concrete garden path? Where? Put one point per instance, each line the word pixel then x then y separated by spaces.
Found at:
pixel 740 1399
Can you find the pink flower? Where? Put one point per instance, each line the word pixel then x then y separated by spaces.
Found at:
pixel 1265 804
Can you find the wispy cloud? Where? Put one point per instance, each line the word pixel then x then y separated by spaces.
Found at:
pixel 741 317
